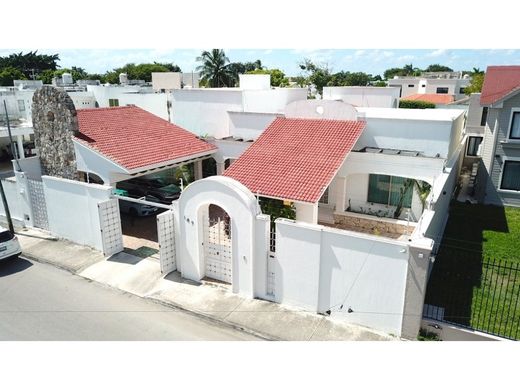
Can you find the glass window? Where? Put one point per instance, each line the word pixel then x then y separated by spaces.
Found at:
pixel 515 126
pixel 473 145
pixel 442 90
pixel 511 176
pixel 483 119
pixel 461 90
pixel 384 189
pixel 411 85
pixel 113 102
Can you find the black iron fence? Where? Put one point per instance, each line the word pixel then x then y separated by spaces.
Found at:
pixel 470 291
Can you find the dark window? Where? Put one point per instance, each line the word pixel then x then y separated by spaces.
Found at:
pixel 388 190
pixel 462 89
pixel 484 116
pixel 423 86
pixel 473 144
pixel 113 102
pixel 411 85
pixel 515 126
pixel 511 176
pixel 442 90
pixel 6 236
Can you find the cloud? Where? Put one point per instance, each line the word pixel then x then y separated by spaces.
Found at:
pixel 405 58
pixel 438 53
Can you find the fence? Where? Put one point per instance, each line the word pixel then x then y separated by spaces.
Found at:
pixel 477 293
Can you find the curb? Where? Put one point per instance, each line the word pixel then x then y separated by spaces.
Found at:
pixel 200 315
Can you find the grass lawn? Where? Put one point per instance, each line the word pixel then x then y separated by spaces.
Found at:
pixel 493 231
pixel 476 275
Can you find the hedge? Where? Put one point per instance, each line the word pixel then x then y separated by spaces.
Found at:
pixel 415 104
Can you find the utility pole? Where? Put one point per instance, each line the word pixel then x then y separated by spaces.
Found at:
pixel 2 193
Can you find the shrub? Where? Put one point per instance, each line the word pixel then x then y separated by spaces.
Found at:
pixel 417 104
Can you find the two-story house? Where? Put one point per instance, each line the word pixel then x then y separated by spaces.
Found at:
pixel 499 177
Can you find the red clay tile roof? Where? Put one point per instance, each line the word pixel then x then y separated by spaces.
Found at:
pixel 499 82
pixel 435 98
pixel 135 138
pixel 296 159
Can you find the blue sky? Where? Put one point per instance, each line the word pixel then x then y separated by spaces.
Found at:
pixel 373 61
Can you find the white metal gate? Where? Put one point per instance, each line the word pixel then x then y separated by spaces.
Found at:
pixel 217 248
pixel 110 225
pixel 38 204
pixel 166 236
pixel 271 264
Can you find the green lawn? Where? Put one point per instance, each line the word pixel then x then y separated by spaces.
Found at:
pixel 476 274
pixel 493 231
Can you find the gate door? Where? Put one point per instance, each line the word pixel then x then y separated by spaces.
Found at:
pixel 110 225
pixel 38 204
pixel 217 248
pixel 166 235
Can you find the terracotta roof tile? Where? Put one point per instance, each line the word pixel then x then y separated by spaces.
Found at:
pixel 499 82
pixel 296 159
pixel 135 138
pixel 435 98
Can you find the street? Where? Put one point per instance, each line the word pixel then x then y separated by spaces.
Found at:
pixel 41 302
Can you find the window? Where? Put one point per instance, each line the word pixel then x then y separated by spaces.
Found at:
pixel 461 90
pixel 21 105
pixel 473 146
pixel 384 189
pixel 411 85
pixel 442 90
pixel 515 126
pixel 113 102
pixel 511 176
pixel 483 119
pixel 423 85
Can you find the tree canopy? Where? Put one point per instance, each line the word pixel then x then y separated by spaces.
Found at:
pixel 477 80
pixel 214 69
pixel 410 70
pixel 8 74
pixel 30 63
pixel 139 71
pixel 278 78
pixel 438 68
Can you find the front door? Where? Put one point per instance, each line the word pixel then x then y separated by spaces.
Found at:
pixel 217 247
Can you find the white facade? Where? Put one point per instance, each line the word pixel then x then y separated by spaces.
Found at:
pixel 166 81
pixel 387 97
pixel 420 85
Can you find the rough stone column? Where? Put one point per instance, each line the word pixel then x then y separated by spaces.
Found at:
pixel 55 122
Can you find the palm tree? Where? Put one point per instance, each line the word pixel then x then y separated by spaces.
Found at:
pixel 214 68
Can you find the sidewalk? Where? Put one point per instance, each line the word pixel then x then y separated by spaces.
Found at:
pixel 214 301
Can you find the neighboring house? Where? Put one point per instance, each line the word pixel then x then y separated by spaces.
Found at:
pixel 387 97
pixel 168 81
pixel 449 83
pixel 499 180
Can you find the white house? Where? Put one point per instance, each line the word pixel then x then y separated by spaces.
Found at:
pixel 448 83
pixel 364 96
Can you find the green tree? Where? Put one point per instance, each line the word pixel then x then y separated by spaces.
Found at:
pixel 214 68
pixel 477 80
pixel 8 74
pixel 139 71
pixel 318 75
pixel 30 63
pixel 438 68
pixel 407 70
pixel 278 78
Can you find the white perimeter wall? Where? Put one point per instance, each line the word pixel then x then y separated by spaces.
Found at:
pixel 14 200
pixel 155 103
pixel 248 125
pixel 364 96
pixel 72 210
pixel 320 269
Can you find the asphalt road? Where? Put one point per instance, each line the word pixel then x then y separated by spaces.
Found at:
pixel 41 302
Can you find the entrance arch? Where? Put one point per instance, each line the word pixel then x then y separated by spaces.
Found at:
pixel 242 208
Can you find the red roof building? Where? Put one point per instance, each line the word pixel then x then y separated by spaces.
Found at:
pixel 435 98
pixel 296 159
pixel 134 138
pixel 499 82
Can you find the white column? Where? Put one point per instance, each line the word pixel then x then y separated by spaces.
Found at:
pixel 341 193
pixel 19 141
pixel 198 169
pixel 306 212
pixel 220 167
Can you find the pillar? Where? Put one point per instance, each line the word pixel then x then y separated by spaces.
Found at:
pixel 198 169
pixel 221 166
pixel 340 187
pixel 306 212
pixel 19 142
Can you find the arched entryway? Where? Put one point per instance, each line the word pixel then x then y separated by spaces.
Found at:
pixel 219 233
pixel 218 248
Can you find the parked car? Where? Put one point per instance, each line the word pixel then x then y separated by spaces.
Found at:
pixel 9 245
pixel 155 187
pixel 138 209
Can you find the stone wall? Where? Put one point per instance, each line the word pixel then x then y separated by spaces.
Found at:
pixel 55 122
pixel 372 226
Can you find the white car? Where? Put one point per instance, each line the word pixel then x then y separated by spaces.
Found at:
pixel 9 245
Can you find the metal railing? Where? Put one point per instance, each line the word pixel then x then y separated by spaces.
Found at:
pixel 470 291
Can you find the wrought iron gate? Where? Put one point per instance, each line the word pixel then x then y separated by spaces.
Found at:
pixel 38 204
pixel 110 225
pixel 217 248
pixel 166 235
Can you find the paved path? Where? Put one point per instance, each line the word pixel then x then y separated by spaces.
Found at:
pixel 41 302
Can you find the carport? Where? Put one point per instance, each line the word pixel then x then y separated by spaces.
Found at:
pixel 118 144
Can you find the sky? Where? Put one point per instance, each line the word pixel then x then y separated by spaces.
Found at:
pixel 373 61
